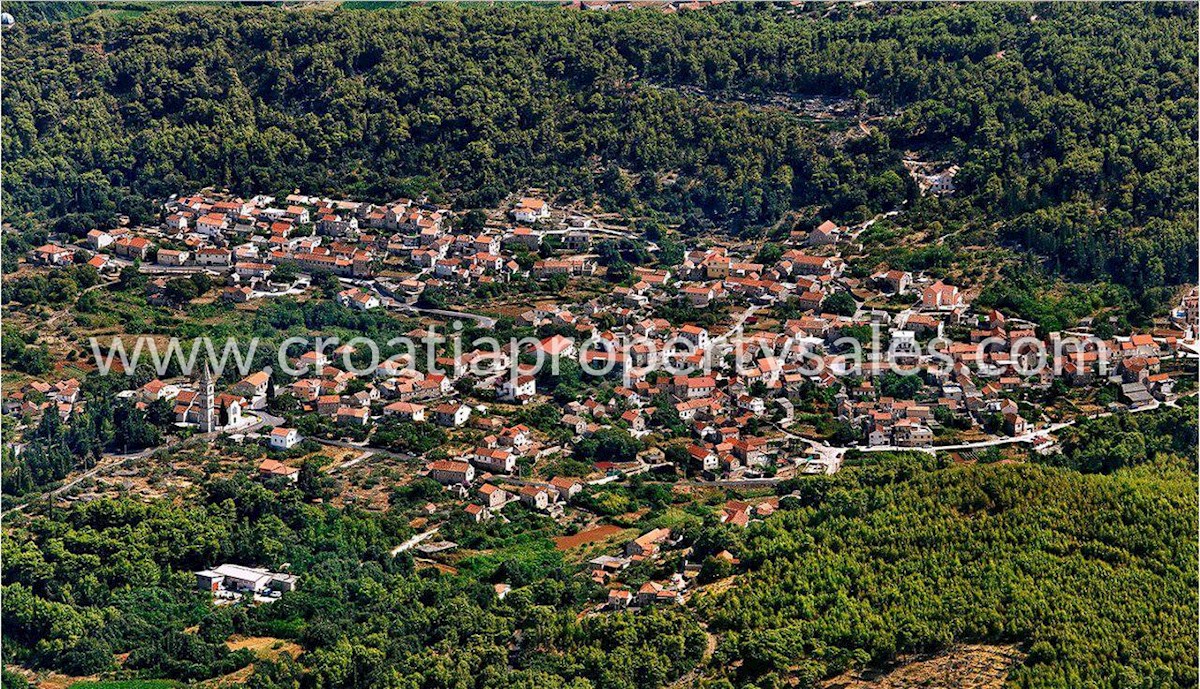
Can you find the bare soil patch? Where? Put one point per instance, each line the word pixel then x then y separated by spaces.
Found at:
pixel 596 533
pixel 264 646
pixel 973 666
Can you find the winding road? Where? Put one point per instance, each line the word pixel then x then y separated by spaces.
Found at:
pixel 110 462
pixel 483 321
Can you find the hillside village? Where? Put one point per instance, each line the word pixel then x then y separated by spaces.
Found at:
pixel 599 344
pixel 771 393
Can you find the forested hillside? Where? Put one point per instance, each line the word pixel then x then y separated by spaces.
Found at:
pixel 1092 575
pixel 1074 125
pixel 115 576
pixel 1085 572
pixel 1074 129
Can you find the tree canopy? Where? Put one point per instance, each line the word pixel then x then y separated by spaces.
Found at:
pixel 1074 131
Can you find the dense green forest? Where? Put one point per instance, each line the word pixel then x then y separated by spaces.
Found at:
pixel 1093 575
pixel 115 576
pixel 1087 573
pixel 1074 125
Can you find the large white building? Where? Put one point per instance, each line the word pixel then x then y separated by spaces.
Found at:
pixel 238 578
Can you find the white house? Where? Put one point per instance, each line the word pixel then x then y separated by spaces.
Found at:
pixel 53 255
pixel 519 390
pixel 98 239
pixel 251 269
pixel 940 296
pixel 530 210
pixel 212 256
pixel 696 335
pixel 254 388
pixel 177 222
pixel 172 257
pixel 495 460
pixel 451 414
pixel 211 225
pixel 357 299
pixel 536 497
pixel 284 438
pixel 405 410
pixel 566 487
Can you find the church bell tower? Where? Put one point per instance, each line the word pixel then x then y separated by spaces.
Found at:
pixel 208 422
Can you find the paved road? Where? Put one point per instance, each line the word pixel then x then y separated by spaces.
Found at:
pixel 717 344
pixel 366 448
pixel 866 225
pixel 57 315
pixel 367 454
pixel 831 456
pixel 1025 437
pixel 481 320
pixel 606 231
pixel 154 269
pixel 109 462
pixel 736 482
pixel 413 541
